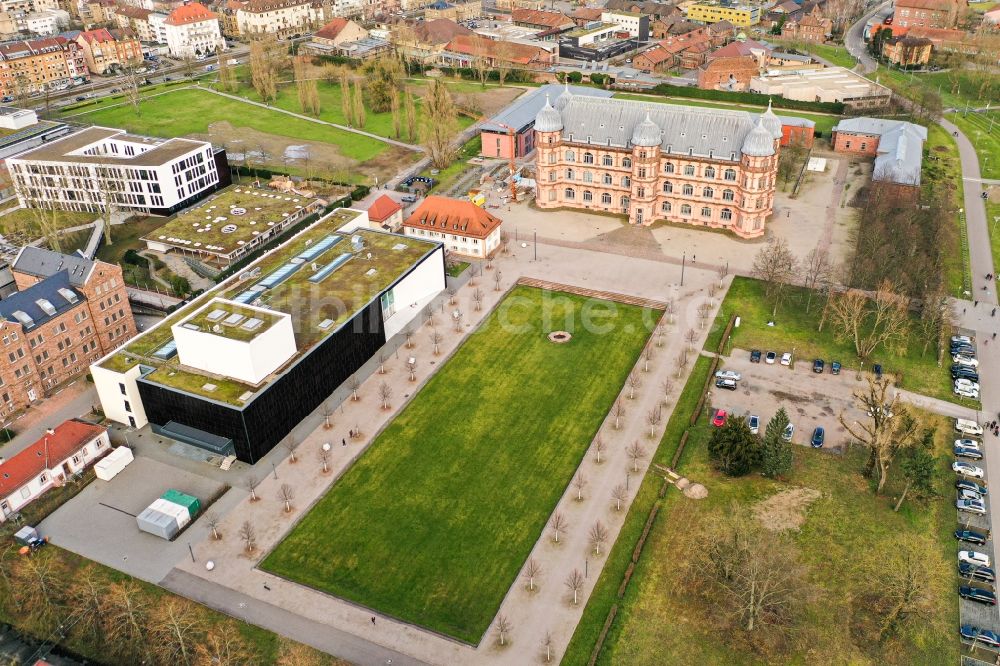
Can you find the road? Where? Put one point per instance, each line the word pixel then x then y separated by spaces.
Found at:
pixel 855 38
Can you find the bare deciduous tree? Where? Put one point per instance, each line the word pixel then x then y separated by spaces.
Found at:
pixel 409 337
pixel 497 277
pixel 599 446
pixel 636 452
pixel 653 418
pixel 704 310
pixel 456 319
pixel 327 416
pixel 503 628
pixel 691 337
pixel 248 535
pixel 436 339
pixel 817 271
pixel 125 615
pixel 547 646
pixel 633 384
pixel 212 520
pixel 647 357
pixel 618 411
pixel 531 571
pixel 251 482
pixel 385 394
pixel 682 361
pixel 411 367
pixel 381 363
pixel 619 495
pixel 477 298
pixel 775 266
pixel 286 494
pixel 451 295
pixel 175 631
pixel 870 322
pixel 224 646
pixel 354 383
pixel 291 444
pixel 324 460
pixel 659 335
pixel 574 581
pixel 558 525
pixel 579 482
pixel 667 387
pixel 598 536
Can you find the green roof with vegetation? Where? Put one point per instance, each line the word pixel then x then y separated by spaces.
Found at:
pixel 225 223
pixel 318 307
pixel 211 322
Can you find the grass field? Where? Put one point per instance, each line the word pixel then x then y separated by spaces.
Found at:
pixel 835 55
pixel 434 521
pixel 190 111
pixel 983 130
pixel 993 220
pixel 796 329
pixel 824 123
pixel 24 223
pixel 660 620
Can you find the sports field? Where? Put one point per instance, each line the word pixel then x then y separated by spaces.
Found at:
pixel 432 524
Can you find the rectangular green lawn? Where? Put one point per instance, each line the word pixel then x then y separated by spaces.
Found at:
pixel 432 524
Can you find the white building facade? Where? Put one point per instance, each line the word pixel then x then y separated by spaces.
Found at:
pixel 98 166
pixel 192 30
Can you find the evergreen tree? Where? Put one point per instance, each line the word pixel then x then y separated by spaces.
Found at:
pixel 734 450
pixel 919 467
pixel 776 453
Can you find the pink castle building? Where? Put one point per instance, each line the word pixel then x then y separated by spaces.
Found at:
pixel 697 166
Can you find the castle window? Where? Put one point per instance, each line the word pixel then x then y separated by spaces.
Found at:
pixel 708 193
pixel 588 158
pixel 626 181
pixel 570 157
pixel 730 174
pixel 665 207
pixel 606 179
pixel 727 195
pixel 668 188
pixel 706 211
pixel 685 209
pixel 688 169
pixel 588 195
pixel 709 172
pixel 627 162
pixel 569 174
pixel 607 160
pixel 588 177
pixel 606 199
pixel 668 167
pixel 570 193
pixel 688 190
pixel 726 214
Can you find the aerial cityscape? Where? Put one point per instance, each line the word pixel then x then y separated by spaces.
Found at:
pixel 499 332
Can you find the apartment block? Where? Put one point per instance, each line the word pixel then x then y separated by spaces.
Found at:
pixel 39 64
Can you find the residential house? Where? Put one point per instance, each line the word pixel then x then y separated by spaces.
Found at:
pixel 104 49
pixel 281 18
pixel 37 64
pixel 136 21
pixel 583 15
pixel 98 12
pixel 60 453
pixel 385 213
pixel 68 312
pixel 456 11
pixel 542 21
pixel 728 73
pixel 47 22
pixel 228 21
pixel 655 59
pixel 721 33
pixel 191 29
pixel 813 27
pixel 907 51
pixel 426 40
pixel 929 13
pixel 896 145
pixel 510 5
pixel 743 16
pixel 463 227
pixel 339 31
pixel 654 10
pixel 743 47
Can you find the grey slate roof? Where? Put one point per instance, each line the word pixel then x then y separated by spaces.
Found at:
pixel 900 147
pixel 521 113
pixel 44 263
pixel 27 301
pixel 703 132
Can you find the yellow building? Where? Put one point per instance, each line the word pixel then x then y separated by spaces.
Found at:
pixel 743 17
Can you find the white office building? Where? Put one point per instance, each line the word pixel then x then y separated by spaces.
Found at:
pixel 90 168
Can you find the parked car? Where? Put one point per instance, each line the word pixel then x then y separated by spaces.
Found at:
pixel 963 484
pixel 969 444
pixel 818 437
pixel 835 367
pixel 971 506
pixel 786 358
pixel 755 356
pixel 974 557
pixel 727 384
pixel 982 636
pixel 967 494
pixel 754 422
pixel 967 361
pixel 966 384
pixel 719 419
pixel 7 99
pixel 971 454
pixel 966 393
pixel 970 536
pixel 818 366
pixel 769 357
pixel 728 374
pixel 975 572
pixel 965 373
pixel 81 98
pixel 968 427
pixel 968 470
pixel 977 594
pixel 408 198
pixel 968 350
pixel 789 431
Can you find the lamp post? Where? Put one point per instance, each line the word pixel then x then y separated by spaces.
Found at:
pixel 683 262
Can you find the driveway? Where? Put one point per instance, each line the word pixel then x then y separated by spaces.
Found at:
pixel 99 523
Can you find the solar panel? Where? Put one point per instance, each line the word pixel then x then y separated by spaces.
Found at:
pixel 251 324
pixel 216 315
pixel 233 319
pixel 329 268
pixel 247 296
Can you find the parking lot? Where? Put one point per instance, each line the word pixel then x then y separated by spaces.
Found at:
pixel 99 523
pixel 812 400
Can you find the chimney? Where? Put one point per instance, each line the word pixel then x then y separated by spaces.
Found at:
pixel 2 460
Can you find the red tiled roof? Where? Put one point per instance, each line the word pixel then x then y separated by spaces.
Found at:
pixel 513 52
pixel 382 209
pixel 656 55
pixel 941 5
pixel 588 13
pixel 69 438
pixel 137 13
pixel 332 29
pixel 539 17
pixel 461 218
pixel 193 12
pixel 737 49
pixel 99 35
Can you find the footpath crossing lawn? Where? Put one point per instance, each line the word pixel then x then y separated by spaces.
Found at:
pixel 432 524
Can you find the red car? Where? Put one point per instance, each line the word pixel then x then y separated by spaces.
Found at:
pixel 719 419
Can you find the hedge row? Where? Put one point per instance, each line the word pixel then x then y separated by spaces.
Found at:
pixel 756 99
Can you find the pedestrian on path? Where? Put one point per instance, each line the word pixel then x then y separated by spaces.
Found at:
pixel 344 440
pixel 373 620
pixel 994 313
pixel 266 587
pixel 994 336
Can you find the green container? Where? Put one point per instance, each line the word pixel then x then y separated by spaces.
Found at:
pixel 189 502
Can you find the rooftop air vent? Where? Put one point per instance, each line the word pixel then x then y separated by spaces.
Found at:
pixel 46 306
pixel 23 317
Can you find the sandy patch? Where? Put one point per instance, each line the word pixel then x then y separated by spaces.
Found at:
pixel 785 510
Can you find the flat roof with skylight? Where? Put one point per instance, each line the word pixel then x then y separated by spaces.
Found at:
pixel 318 280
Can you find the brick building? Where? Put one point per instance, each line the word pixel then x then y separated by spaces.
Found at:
pixel 104 49
pixel 907 51
pixel 37 64
pixel 68 312
pixel 929 13
pixel 732 73
pixel 896 145
pixel 704 167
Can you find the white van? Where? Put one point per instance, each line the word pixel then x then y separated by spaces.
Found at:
pixel 968 427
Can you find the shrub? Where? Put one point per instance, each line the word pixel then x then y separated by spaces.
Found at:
pixel 575 77
pixel 745 98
